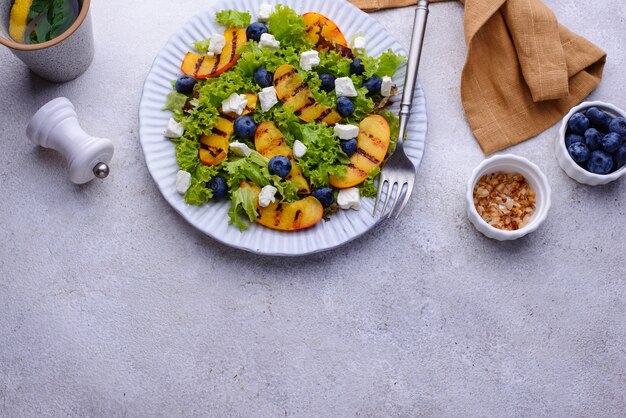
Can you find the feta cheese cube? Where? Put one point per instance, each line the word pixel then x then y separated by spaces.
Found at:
pixel 267 196
pixel 265 11
pixel 349 199
pixel 268 41
pixel 385 88
pixel 240 149
pixel 346 131
pixel 299 149
pixel 174 129
pixel 309 59
pixel 345 87
pixel 236 103
pixel 359 44
pixel 268 98
pixel 216 44
pixel 183 181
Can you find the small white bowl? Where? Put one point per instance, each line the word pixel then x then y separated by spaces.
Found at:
pixel 509 163
pixel 565 161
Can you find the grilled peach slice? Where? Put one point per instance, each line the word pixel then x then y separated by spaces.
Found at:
pixel 323 32
pixel 372 145
pixel 270 142
pixel 214 147
pixel 201 66
pixel 294 92
pixel 301 214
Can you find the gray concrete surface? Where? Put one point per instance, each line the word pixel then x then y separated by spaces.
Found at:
pixel 111 305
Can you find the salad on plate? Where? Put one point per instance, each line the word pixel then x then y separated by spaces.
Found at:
pixel 283 117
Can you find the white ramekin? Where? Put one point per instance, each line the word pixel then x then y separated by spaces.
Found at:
pixel 509 163
pixel 565 161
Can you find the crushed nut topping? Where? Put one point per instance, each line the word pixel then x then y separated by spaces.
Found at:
pixel 504 200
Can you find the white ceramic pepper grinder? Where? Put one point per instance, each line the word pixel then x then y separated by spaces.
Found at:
pixel 56 126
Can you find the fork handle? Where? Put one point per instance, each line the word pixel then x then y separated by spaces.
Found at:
pixel 415 53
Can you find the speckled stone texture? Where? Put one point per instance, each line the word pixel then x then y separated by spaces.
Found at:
pixel 111 305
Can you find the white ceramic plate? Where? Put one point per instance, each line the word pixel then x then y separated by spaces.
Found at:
pixel 212 219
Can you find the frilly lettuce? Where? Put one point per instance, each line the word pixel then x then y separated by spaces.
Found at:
pixel 233 18
pixel 288 28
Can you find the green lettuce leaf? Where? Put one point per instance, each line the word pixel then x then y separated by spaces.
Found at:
pixel 243 206
pixel 233 18
pixel 202 46
pixel 367 188
pixel 198 192
pixel 324 156
pixel 175 102
pixel 187 154
pixel 288 28
pixel 388 63
pixel 385 65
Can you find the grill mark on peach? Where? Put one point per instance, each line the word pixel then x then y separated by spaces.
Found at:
pixel 373 159
pixel 323 115
pixel 353 167
pixel 309 104
pixel 284 76
pixel 198 65
pixel 214 151
pixel 278 215
pixel 233 47
pixel 219 132
pixel 377 141
pixel 215 66
pixel 295 92
pixel 228 117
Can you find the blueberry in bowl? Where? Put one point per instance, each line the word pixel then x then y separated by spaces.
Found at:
pixel 578 123
pixel 590 146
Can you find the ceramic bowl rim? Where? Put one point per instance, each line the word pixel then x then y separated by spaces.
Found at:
pixel 539 216
pixel 605 178
pixel 84 10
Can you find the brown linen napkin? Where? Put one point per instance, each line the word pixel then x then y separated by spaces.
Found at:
pixel 523 71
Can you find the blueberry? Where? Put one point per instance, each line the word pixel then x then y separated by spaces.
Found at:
pixel 578 123
pixel 593 139
pixel 579 152
pixel 618 125
pixel 373 84
pixel 598 119
pixel 600 162
pixel 219 187
pixel 620 155
pixel 349 146
pixel 328 82
pixel 356 67
pixel 345 107
pixel 572 139
pixel 611 142
pixel 263 77
pixel 281 166
pixel 325 196
pixel 185 84
pixel 245 127
pixel 255 31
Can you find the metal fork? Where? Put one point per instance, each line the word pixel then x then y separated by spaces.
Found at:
pixel 399 171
